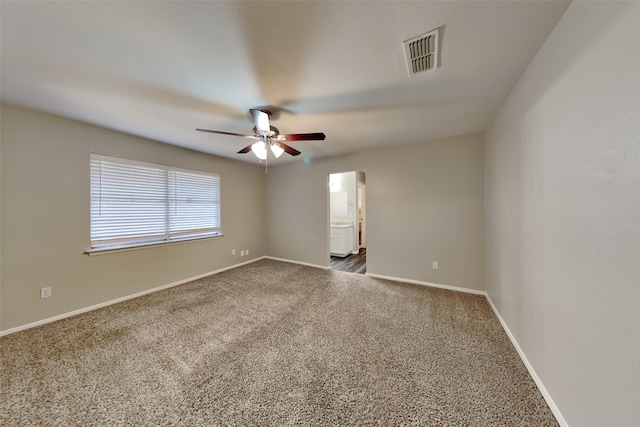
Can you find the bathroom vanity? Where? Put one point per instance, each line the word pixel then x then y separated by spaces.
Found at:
pixel 341 239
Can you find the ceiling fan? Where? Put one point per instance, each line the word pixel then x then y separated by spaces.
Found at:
pixel 269 136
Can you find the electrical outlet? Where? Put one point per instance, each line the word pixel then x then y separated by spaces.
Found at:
pixel 45 292
pixel 435 265
pixel 233 251
pixel 241 253
pixel 246 252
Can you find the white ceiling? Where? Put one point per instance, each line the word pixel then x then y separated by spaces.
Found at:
pixel 162 69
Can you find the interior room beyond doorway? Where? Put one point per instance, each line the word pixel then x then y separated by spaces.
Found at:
pixel 347 221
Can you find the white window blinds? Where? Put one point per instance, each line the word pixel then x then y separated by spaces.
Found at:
pixel 134 203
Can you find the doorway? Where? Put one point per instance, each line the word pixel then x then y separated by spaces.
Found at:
pixel 347 221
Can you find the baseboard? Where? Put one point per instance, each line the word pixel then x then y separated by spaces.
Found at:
pixel 121 299
pixel 543 390
pixel 432 285
pixel 323 267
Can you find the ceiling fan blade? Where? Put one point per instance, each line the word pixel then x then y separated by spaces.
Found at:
pixel 317 136
pixel 261 119
pixel 226 133
pixel 245 149
pixel 287 149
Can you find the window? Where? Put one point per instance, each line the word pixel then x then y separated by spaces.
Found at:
pixel 135 204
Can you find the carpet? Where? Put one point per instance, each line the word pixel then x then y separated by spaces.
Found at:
pixel 273 343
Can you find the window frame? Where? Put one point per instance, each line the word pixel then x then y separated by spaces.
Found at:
pixel 171 235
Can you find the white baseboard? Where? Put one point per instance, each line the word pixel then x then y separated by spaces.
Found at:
pixel 323 267
pixel 545 393
pixel 121 299
pixel 433 285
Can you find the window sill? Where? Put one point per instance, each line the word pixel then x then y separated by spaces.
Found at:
pixel 105 251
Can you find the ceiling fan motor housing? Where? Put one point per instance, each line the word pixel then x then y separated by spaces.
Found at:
pixel 273 133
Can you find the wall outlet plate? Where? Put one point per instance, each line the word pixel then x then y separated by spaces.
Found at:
pixel 45 292
pixel 435 265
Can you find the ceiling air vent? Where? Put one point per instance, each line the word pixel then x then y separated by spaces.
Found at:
pixel 422 52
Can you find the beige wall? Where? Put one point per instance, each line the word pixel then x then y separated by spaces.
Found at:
pixel 45 218
pixel 563 214
pixel 425 202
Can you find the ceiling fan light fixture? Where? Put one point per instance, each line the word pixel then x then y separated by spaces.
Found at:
pixel 277 150
pixel 260 150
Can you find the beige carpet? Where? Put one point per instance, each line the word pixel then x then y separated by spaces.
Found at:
pixel 273 343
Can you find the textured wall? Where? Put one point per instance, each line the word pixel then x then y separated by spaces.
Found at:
pixel 425 202
pixel 563 214
pixel 45 218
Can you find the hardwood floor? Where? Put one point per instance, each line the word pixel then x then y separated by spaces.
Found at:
pixel 354 263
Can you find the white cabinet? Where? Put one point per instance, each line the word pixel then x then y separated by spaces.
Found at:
pixel 341 240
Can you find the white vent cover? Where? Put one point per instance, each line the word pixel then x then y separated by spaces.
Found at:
pixel 422 52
